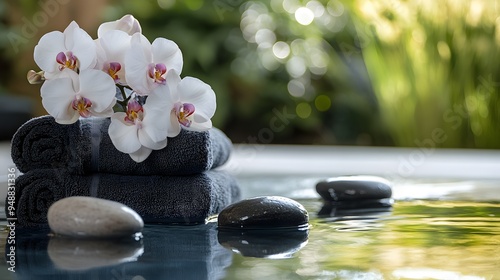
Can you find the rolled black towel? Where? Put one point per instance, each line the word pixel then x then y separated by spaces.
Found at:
pixel 157 199
pixel 85 147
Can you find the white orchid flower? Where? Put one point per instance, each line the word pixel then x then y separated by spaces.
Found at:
pixel 58 51
pixel 81 77
pixel 191 103
pixel 140 130
pixel 111 49
pixel 147 64
pixel 90 93
pixel 127 24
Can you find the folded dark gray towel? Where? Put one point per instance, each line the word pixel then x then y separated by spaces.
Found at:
pixel 157 199
pixel 85 147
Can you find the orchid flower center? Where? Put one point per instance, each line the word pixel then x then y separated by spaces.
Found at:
pixel 157 72
pixel 113 69
pixel 82 105
pixel 67 60
pixel 183 111
pixel 135 112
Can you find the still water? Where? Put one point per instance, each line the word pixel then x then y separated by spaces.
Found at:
pixel 416 239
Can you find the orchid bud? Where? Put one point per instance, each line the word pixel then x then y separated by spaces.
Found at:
pixel 127 23
pixel 35 77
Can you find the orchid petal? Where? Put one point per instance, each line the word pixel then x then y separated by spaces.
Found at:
pixel 173 81
pixel 84 48
pixel 124 136
pixel 167 52
pixel 174 128
pixel 161 98
pixel 196 126
pixel 155 128
pixel 47 49
pixel 100 54
pixel 65 73
pixel 144 45
pixel 141 154
pixel 200 94
pixel 108 112
pixel 137 60
pixel 162 95
pixel 57 96
pixel 69 31
pixel 115 44
pixel 98 87
pixel 147 133
pixel 156 114
pixel 200 118
pixel 147 142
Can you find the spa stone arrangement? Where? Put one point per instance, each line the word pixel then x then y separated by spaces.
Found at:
pixel 123 127
pixel 127 141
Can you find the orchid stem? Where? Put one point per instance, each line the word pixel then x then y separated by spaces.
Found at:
pixel 125 100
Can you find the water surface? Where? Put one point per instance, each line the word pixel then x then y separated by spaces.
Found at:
pixel 416 239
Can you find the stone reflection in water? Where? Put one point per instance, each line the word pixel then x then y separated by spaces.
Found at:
pixel 362 215
pixel 270 244
pixel 164 252
pixel 83 254
pixel 355 208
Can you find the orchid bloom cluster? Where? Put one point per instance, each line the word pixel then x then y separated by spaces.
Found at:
pixel 121 75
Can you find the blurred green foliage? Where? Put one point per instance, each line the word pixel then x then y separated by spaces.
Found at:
pixel 234 47
pixel 434 66
pixel 4 61
pixel 358 72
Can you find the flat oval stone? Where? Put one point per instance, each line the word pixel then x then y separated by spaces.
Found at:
pixel 89 217
pixel 264 212
pixel 349 188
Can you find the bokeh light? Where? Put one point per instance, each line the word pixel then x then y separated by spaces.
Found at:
pixel 296 66
pixel 296 88
pixel 281 50
pixel 322 103
pixel 303 110
pixel 304 16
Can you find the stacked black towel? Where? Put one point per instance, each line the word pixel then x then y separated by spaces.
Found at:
pixel 174 185
pixel 85 147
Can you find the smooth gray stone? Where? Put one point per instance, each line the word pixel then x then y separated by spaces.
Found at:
pixel 264 212
pixel 351 188
pixel 90 217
